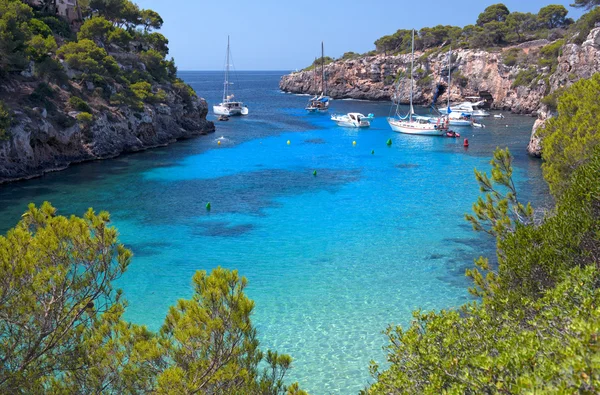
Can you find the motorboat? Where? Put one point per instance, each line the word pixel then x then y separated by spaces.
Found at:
pixel 467 108
pixel 411 123
pixel 352 120
pixel 229 106
pixel 499 116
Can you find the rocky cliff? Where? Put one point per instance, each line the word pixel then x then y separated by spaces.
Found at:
pixel 41 140
pixel 518 85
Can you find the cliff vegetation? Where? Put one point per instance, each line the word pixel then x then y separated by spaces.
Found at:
pixel 87 88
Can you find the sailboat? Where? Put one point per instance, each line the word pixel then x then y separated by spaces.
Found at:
pixel 410 123
pixel 228 106
pixel 320 103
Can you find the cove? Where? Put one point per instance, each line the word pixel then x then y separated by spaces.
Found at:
pixel 331 259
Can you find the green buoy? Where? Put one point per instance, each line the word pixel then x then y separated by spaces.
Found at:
pixel 372 152
pixel 389 142
pixel 208 206
pixel 314 173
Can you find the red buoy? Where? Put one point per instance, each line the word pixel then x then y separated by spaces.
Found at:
pixel 466 143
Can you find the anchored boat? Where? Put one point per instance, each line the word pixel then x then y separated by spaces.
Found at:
pixel 411 124
pixel 229 107
pixel 320 103
pixel 353 120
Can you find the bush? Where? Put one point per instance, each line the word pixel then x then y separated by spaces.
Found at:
pixel 59 26
pixel 525 77
pixel 86 56
pixel 41 93
pixel 460 79
pixel 51 69
pixel 549 55
pixel 511 57
pixel 95 28
pixel 5 120
pixel 79 104
pixel 120 37
pixel 425 81
pixel 85 118
pixel 39 48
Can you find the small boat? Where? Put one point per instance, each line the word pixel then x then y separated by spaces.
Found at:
pixel 352 120
pixel 410 123
pixel 467 108
pixel 223 118
pixel 452 134
pixel 320 103
pixel 229 107
pixel 499 116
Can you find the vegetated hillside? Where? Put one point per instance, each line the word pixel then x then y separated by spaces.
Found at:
pixel 90 88
pixel 511 56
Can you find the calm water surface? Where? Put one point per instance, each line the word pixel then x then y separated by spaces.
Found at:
pixel 332 259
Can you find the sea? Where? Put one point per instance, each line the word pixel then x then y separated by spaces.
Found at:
pixel 332 257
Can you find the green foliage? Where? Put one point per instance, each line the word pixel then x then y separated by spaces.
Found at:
pixel 552 16
pixel 581 29
pixel 586 3
pixel 571 138
pixel 120 37
pixel 38 27
pixel 5 120
pixel 150 20
pixel 85 118
pixel 521 23
pixel 536 327
pixel 185 91
pixel 41 94
pixel 425 81
pixel 349 55
pixel 40 48
pixel 14 33
pixel 525 77
pixel 157 42
pixel 494 13
pixel 551 100
pixel 459 79
pixel 86 56
pixel 58 26
pixel 143 91
pixel 549 55
pixel 95 28
pixel 155 64
pixel 78 104
pixel 511 57
pixel 63 328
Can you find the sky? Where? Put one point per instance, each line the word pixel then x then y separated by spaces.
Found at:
pixel 287 35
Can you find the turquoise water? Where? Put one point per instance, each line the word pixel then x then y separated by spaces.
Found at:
pixel 332 259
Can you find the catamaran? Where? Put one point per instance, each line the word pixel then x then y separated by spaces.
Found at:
pixel 229 106
pixel 410 123
pixel 320 103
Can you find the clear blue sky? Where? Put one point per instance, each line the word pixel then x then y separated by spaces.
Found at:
pixel 285 35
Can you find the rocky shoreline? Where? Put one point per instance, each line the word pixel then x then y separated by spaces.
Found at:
pixel 474 72
pixel 38 145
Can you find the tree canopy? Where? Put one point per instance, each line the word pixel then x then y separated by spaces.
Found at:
pixel 534 327
pixel 62 330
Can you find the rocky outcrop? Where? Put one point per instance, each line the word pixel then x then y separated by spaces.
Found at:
pixel 574 63
pixel 474 72
pixel 376 78
pixel 40 142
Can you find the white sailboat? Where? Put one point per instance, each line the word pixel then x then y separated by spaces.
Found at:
pixel 320 103
pixel 411 124
pixel 229 107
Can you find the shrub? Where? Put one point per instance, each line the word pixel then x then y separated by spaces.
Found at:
pixel 425 81
pixel 5 120
pixel 39 48
pixel 38 27
pixel 41 93
pixel 525 77
pixel 78 104
pixel 86 56
pixel 51 69
pixel 549 55
pixel 511 57
pixel 155 64
pixel 95 28
pixel 59 26
pixel 85 118
pixel 460 79
pixel 120 37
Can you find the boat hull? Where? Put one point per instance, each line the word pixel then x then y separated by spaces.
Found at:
pixel 230 112
pixel 350 124
pixel 421 129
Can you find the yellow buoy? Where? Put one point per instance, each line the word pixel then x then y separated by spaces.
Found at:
pixel 289 142
pixel 218 143
pixel 354 143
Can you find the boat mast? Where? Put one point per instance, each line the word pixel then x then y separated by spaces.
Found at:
pixel 323 87
pixel 412 65
pixel 315 85
pixel 449 76
pixel 226 87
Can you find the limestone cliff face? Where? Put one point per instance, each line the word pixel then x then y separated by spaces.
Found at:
pixel 575 62
pixel 39 144
pixel 473 71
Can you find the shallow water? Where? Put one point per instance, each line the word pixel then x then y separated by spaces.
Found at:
pixel 332 259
